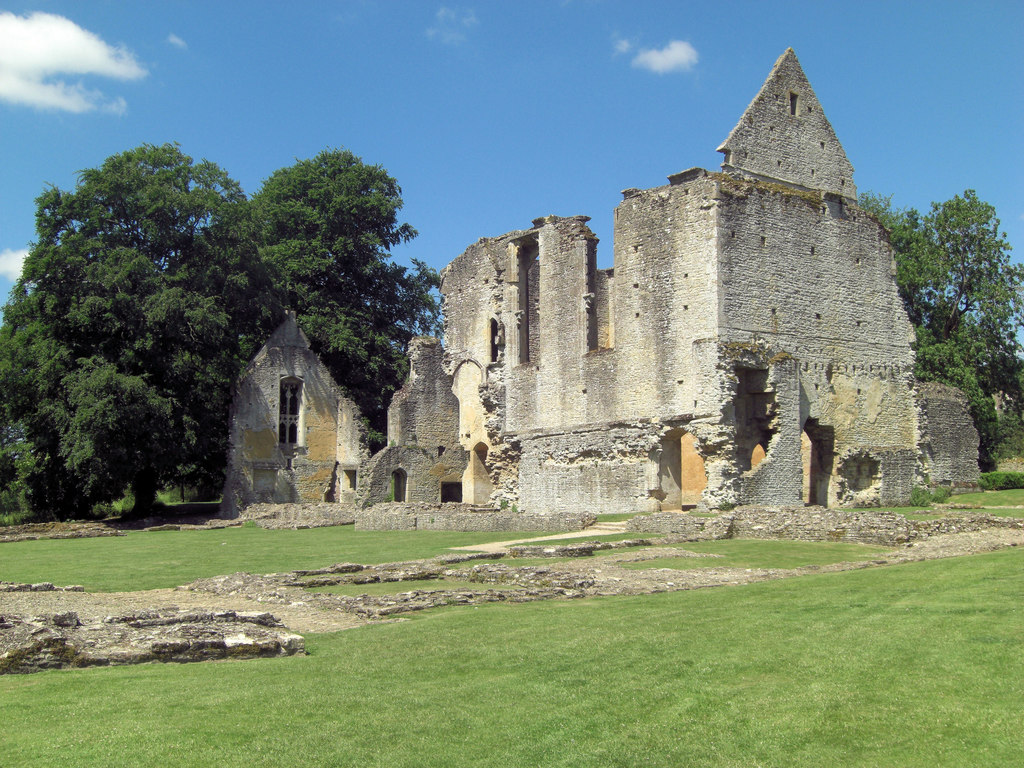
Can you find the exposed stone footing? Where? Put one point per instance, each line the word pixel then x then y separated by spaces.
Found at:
pixel 814 524
pixel 310 515
pixel 65 640
pixel 396 516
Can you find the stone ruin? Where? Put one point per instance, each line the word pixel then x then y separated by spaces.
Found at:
pixel 748 347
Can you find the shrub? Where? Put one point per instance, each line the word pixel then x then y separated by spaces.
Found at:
pixel 1001 481
pixel 940 494
pixel 920 497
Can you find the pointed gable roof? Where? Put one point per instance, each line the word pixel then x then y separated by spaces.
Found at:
pixel 784 136
pixel 288 334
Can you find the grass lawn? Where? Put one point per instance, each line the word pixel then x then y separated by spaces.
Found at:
pixel 913 665
pixel 152 559
pixel 1010 498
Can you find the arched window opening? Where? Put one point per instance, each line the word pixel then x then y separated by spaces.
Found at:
pixel 290 403
pixel 398 485
pixel 757 455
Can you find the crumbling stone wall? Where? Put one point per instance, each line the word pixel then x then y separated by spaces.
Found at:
pixel 424 454
pixel 815 524
pixel 464 517
pixel 310 455
pixel 749 345
pixel 949 441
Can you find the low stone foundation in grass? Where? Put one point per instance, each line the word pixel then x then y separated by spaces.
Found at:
pixel 58 641
pixel 814 524
pixel 418 516
pixel 306 515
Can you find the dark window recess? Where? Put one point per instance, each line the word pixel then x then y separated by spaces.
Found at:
pixel 288 412
pixel 451 492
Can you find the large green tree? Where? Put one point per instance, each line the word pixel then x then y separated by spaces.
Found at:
pixel 136 307
pixel 963 296
pixel 327 226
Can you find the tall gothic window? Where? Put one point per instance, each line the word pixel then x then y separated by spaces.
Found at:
pixel 288 416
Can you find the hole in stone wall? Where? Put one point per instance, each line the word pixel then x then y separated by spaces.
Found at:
pixel 681 474
pixel 398 485
pixel 348 480
pixel 494 341
pixel 529 300
pixel 476 482
pixel 817 446
pixel 860 472
pixel 794 101
pixel 451 492
pixel 754 408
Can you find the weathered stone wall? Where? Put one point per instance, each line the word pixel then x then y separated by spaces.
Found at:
pixel 785 135
pixel 463 517
pixel 949 441
pixel 815 280
pixel 814 524
pixel 749 345
pixel 423 434
pixel 321 464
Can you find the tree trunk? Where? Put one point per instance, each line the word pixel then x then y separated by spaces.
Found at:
pixel 144 489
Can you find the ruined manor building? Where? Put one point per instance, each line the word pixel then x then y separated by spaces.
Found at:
pixel 749 346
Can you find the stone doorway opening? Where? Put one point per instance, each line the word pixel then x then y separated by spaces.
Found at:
pixel 681 473
pixel 817 454
pixel 476 483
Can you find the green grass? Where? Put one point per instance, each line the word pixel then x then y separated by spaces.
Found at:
pixel 758 553
pixel 1009 498
pixel 912 665
pixel 153 559
pixel 395 587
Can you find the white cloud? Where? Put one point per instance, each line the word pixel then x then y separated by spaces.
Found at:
pixel 10 263
pixel 677 56
pixel 623 46
pixel 176 41
pixel 38 48
pixel 450 25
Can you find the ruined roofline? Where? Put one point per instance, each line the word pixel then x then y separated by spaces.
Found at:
pixel 784 135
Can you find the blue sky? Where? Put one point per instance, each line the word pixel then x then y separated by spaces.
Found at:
pixel 491 114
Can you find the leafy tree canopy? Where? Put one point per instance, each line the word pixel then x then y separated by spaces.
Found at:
pixel 964 298
pixel 136 306
pixel 155 280
pixel 326 226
